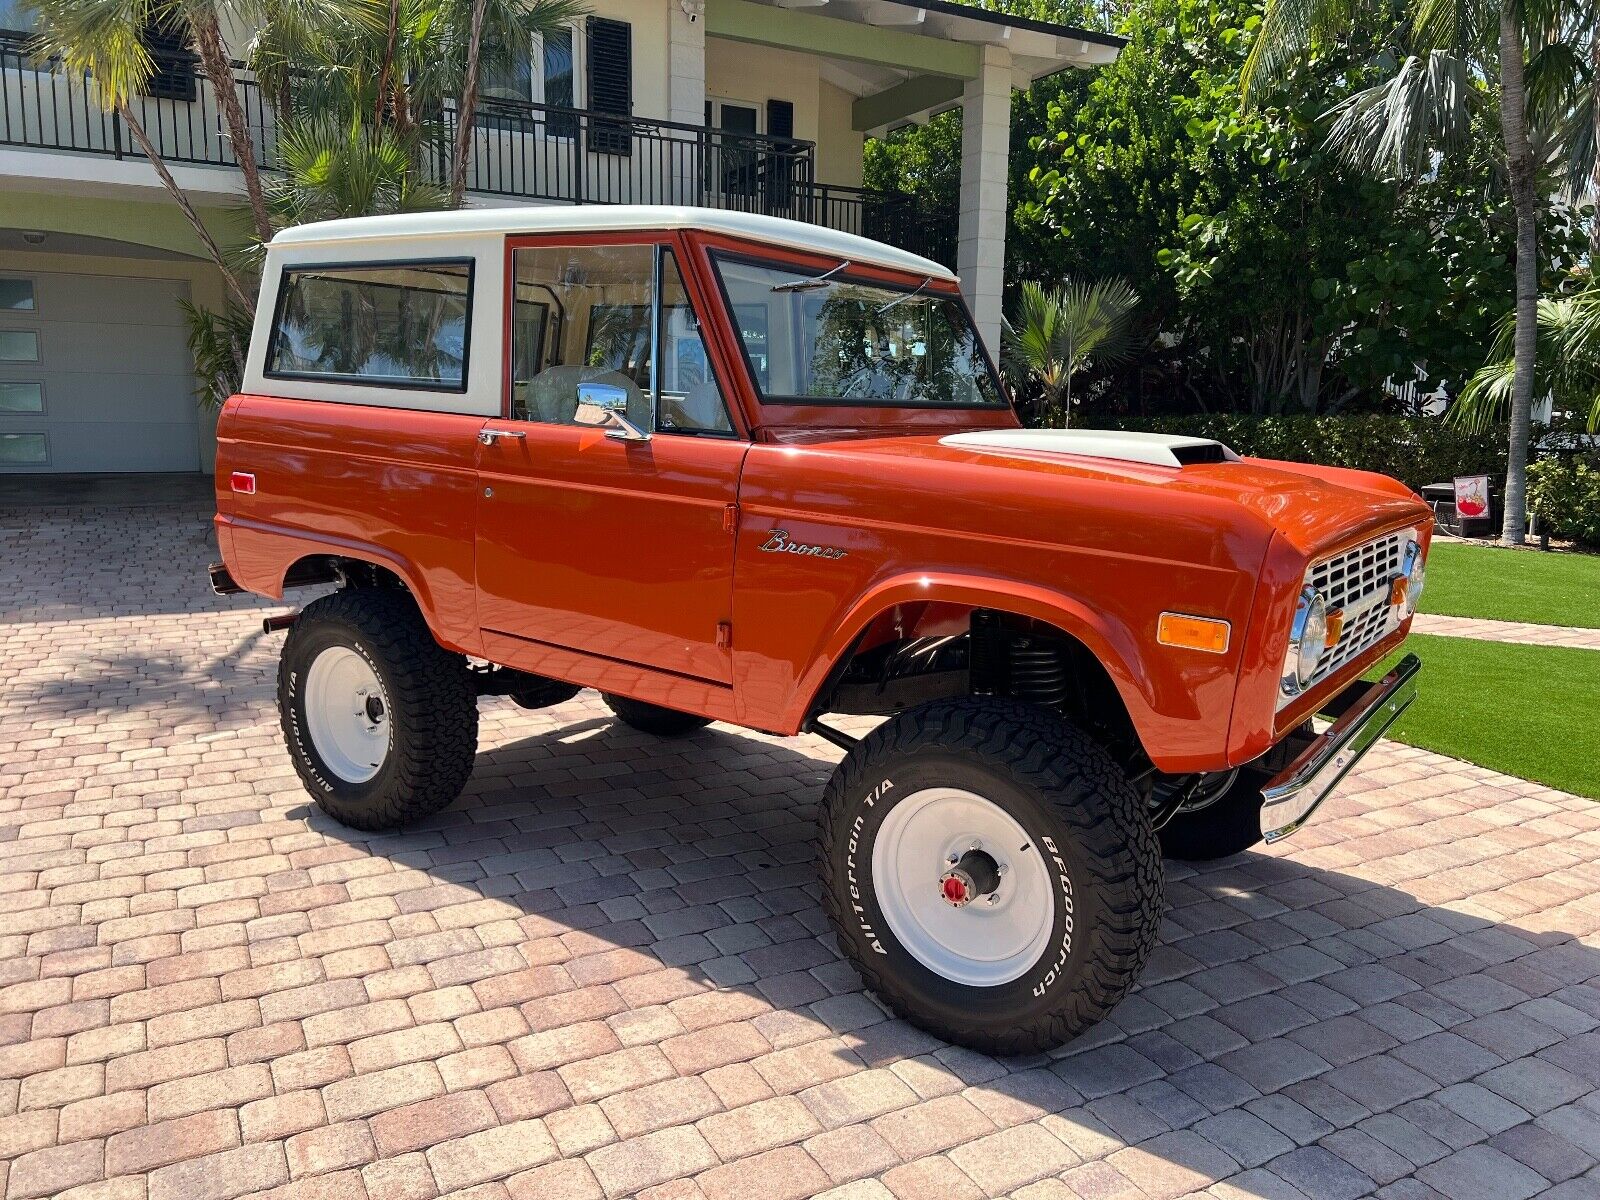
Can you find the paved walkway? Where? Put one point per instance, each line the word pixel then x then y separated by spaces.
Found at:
pixel 604 972
pixel 1507 631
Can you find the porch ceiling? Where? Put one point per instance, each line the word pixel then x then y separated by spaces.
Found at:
pixel 903 59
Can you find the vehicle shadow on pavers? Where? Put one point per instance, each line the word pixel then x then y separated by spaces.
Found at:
pixel 91 562
pixel 1300 1031
pixel 214 679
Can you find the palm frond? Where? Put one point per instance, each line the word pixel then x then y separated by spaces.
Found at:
pixel 1055 334
pixel 1568 367
pixel 100 37
pixel 1394 129
pixel 332 170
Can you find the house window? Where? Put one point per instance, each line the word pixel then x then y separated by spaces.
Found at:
pixel 14 17
pixel 19 345
pixel 383 324
pixel 21 397
pixel 16 294
pixel 549 76
pixel 24 450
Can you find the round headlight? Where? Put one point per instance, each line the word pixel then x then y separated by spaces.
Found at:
pixel 1415 570
pixel 1308 638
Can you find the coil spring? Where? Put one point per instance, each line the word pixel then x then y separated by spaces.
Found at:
pixel 1038 672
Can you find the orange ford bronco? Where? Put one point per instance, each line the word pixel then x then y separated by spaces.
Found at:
pixel 732 468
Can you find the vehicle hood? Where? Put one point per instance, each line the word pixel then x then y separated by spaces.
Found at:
pixel 1309 506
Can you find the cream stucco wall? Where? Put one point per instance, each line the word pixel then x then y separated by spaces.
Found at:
pixel 839 146
pixel 755 74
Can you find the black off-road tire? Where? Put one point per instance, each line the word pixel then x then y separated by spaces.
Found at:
pixel 652 718
pixel 1231 825
pixel 1068 793
pixel 432 708
pixel 536 692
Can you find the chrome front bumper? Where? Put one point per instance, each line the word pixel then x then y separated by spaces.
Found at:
pixel 1362 712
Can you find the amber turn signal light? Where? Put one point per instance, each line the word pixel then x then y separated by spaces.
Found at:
pixel 1192 633
pixel 1335 628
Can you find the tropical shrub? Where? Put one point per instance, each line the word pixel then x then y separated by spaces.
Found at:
pixel 1415 450
pixel 1564 493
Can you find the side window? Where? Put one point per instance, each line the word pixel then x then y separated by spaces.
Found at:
pixel 381 324
pixel 587 314
pixel 690 400
pixel 582 315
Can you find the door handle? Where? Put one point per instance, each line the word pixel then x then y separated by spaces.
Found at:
pixel 489 437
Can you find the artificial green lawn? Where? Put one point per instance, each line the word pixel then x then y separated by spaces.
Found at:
pixel 1529 711
pixel 1513 585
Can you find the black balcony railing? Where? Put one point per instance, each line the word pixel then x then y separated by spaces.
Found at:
pixel 42 105
pixel 519 150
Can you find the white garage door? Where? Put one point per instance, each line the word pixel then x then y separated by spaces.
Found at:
pixel 94 375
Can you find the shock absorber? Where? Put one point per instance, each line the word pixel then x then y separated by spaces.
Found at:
pixel 986 657
pixel 1038 672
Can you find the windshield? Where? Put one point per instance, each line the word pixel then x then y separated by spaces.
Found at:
pixel 813 338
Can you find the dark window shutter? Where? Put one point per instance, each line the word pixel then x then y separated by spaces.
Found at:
pixel 610 61
pixel 780 119
pixel 779 172
pixel 172 75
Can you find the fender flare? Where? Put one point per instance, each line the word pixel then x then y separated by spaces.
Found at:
pixel 298 544
pixel 1112 643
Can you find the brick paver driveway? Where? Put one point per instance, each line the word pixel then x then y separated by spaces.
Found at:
pixel 605 972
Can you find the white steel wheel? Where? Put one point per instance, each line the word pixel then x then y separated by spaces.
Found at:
pixel 347 714
pixel 963 887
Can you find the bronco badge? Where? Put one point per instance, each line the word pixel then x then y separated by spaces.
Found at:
pixel 778 543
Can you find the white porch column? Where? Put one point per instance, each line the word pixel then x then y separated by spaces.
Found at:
pixel 981 234
pixel 686 92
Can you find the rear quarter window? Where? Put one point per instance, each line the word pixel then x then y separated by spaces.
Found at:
pixel 392 324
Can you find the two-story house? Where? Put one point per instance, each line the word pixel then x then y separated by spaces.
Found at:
pixel 755 105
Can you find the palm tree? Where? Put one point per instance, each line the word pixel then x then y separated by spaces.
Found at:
pixel 1568 366
pixel 105 41
pixel 117 26
pixel 1056 334
pixel 515 28
pixel 1461 57
pixel 395 65
pixel 333 170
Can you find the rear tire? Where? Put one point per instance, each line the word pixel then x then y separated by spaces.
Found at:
pixel 380 720
pixel 1231 825
pixel 652 718
pixel 1056 901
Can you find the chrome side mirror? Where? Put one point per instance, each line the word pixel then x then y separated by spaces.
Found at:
pixel 607 404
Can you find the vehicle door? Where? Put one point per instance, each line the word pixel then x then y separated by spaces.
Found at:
pixel 605 520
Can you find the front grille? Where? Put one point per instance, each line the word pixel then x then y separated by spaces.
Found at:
pixel 1357 583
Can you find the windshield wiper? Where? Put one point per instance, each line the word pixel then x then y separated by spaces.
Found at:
pixel 904 298
pixel 808 285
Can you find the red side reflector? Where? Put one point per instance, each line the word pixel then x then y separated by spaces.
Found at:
pixel 245 482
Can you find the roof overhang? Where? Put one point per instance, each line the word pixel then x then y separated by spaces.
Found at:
pixel 906 59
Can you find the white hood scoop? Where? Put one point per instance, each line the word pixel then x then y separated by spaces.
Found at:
pixel 1156 449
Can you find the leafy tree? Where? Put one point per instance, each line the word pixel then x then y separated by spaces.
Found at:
pixel 1280 280
pixel 1057 333
pixel 1445 62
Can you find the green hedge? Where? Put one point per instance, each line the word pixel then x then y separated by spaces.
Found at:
pixel 1415 450
pixel 1564 492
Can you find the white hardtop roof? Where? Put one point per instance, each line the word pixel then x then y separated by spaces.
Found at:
pixel 593 218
